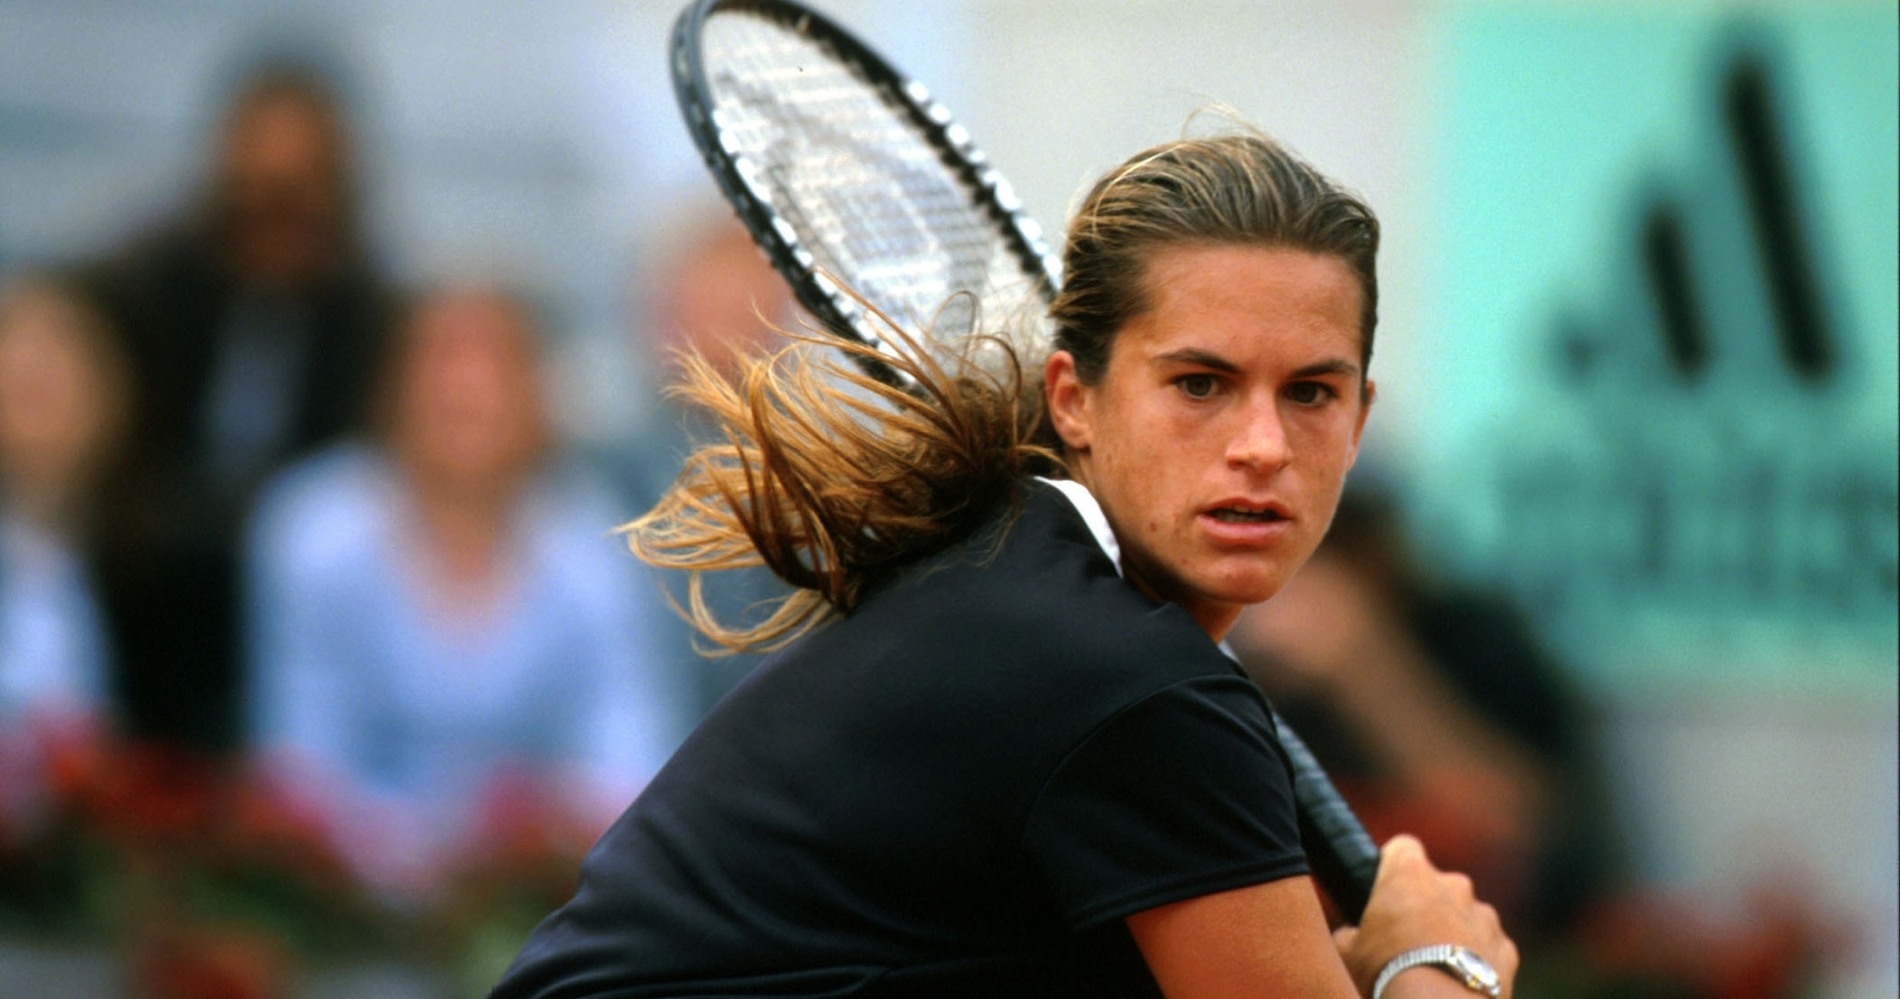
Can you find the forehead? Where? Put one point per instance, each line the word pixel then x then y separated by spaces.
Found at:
pixel 1246 298
pixel 470 321
pixel 40 320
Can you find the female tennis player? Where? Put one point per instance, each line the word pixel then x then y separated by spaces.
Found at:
pixel 1000 752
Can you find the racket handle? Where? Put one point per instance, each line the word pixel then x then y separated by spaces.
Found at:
pixel 1343 856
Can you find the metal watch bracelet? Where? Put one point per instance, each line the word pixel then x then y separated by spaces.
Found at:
pixel 1461 963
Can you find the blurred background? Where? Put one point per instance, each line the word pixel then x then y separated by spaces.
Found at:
pixel 330 343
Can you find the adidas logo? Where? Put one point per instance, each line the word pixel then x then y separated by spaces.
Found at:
pixel 1723 482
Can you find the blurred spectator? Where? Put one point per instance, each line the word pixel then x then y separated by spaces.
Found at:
pixel 716 294
pixel 450 642
pixel 63 391
pixel 252 322
pixel 1439 715
pixel 719 295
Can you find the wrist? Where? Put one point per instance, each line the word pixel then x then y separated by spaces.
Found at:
pixel 1454 964
pixel 1424 982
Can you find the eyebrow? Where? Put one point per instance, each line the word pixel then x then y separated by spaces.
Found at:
pixel 1191 355
pixel 1201 358
pixel 1336 366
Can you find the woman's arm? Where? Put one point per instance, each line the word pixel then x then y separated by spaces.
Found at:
pixel 1263 940
pixel 1271 939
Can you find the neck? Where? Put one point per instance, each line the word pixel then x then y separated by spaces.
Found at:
pixel 1216 621
pixel 1214 618
pixel 47 503
pixel 463 536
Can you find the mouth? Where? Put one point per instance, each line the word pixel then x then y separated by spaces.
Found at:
pixel 1247 514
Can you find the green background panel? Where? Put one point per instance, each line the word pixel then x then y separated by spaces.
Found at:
pixel 1737 522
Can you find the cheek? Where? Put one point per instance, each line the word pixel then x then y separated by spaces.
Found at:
pixel 1151 486
pixel 1326 440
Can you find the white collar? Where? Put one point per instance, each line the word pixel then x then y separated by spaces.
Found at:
pixel 1092 515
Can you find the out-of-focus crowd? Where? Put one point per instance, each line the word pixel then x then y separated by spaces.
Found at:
pixel 311 623
pixel 316 644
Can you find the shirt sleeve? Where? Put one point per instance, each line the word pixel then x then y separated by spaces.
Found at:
pixel 1182 794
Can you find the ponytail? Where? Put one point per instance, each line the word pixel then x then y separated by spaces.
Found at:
pixel 833 479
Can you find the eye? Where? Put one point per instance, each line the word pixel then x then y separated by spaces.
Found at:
pixel 1197 386
pixel 1311 393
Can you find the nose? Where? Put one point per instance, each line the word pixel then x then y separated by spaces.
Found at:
pixel 1259 442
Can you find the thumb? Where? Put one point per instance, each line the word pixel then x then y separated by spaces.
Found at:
pixel 1404 846
pixel 1400 853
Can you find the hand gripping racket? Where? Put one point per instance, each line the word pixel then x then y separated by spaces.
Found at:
pixel 860 187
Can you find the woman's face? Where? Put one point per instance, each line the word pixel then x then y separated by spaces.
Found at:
pixel 60 398
pixel 1219 436
pixel 724 300
pixel 469 407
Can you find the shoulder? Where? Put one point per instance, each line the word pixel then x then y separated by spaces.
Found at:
pixel 571 516
pixel 1030 609
pixel 323 507
pixel 159 263
pixel 1062 588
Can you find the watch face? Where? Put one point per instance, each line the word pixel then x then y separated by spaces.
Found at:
pixel 1477 972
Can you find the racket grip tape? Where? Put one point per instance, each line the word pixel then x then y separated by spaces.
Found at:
pixel 1343 857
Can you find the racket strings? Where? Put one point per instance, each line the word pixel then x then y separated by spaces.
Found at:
pixel 865 192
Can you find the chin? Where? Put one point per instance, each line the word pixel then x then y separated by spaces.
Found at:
pixel 1254 580
pixel 1245 592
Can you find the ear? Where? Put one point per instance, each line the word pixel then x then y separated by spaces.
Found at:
pixel 1365 409
pixel 1067 399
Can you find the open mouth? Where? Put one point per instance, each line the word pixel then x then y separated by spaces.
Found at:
pixel 1237 515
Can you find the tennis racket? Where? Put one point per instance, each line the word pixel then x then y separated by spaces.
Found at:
pixel 861 188
pixel 858 185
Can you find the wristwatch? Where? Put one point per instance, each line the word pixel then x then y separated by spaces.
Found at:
pixel 1461 963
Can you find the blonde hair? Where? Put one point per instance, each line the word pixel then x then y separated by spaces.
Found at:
pixel 833 479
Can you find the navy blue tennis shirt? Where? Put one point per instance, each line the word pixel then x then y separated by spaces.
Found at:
pixel 959 790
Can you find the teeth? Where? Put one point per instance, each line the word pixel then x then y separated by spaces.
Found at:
pixel 1232 516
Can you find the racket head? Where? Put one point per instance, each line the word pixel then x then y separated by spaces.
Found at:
pixel 867 196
